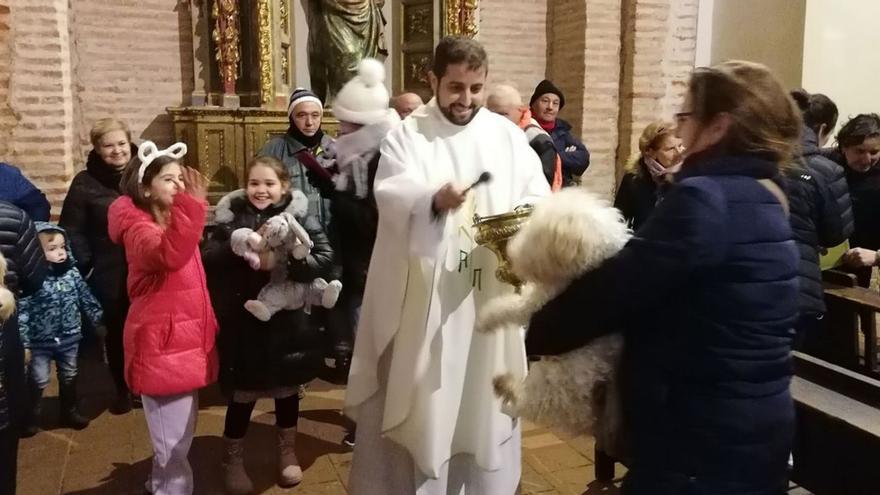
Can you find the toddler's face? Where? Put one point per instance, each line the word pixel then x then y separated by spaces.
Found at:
pixel 54 247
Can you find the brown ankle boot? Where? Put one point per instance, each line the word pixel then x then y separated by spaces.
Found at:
pixel 235 478
pixel 290 474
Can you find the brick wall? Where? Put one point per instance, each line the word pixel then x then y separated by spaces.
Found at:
pixel 42 139
pixel 7 118
pixel 514 33
pixel 64 65
pixel 566 25
pixel 601 92
pixel 131 64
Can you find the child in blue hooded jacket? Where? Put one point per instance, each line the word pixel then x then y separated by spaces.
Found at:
pixel 50 323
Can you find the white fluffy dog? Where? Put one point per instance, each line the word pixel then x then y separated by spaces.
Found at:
pixel 568 234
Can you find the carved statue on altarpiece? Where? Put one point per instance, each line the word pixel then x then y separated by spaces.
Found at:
pixel 341 34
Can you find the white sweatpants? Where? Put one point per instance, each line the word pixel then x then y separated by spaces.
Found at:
pixel 172 421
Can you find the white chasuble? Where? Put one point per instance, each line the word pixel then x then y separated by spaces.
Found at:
pixel 427 281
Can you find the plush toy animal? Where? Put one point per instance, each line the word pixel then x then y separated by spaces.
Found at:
pixel 568 234
pixel 285 236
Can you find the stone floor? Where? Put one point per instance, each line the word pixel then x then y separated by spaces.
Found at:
pixel 112 455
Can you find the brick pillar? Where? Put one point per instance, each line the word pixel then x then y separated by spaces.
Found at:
pixel 601 94
pixel 43 136
pixel 7 118
pixel 659 43
pixel 566 40
pixel 514 33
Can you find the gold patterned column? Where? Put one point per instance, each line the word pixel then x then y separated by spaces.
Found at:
pixel 264 19
pixel 226 38
pixel 460 18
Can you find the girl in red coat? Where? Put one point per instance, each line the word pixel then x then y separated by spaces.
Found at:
pixel 170 329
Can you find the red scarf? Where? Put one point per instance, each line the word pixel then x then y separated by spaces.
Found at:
pixel 525 120
pixel 547 126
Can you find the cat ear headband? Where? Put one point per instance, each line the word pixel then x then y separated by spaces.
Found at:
pixel 147 152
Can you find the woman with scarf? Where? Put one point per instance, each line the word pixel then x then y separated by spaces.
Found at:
pixel 706 296
pixel 84 217
pixel 646 177
pixel 302 147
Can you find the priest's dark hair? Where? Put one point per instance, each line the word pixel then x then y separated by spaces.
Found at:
pixel 454 50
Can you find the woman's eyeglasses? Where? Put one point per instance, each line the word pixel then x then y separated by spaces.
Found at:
pixel 682 116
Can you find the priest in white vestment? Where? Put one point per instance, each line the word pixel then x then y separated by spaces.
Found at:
pixel 420 386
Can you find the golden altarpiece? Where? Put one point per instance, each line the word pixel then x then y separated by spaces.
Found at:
pixel 245 66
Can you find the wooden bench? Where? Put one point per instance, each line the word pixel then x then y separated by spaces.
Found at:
pixel 838 428
pixel 837 438
pixel 851 311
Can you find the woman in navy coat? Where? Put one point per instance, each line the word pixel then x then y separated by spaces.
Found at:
pixel 706 294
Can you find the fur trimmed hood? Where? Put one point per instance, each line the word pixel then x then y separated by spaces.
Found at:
pixel 295 202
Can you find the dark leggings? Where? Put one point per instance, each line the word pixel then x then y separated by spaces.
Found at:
pixel 115 321
pixel 238 415
pixel 8 459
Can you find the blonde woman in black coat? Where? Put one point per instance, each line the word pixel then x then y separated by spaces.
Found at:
pixel 642 186
pixel 84 217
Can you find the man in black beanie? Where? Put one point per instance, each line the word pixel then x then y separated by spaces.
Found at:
pixel 546 102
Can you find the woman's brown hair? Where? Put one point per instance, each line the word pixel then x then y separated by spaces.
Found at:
pixel 765 120
pixel 104 126
pixel 651 139
pixel 135 189
pixel 269 162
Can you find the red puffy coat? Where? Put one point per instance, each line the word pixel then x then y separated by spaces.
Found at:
pixel 170 330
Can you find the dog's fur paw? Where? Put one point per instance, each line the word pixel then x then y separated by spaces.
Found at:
pixel 500 312
pixel 507 390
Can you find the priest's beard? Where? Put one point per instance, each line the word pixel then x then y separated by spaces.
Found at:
pixel 454 112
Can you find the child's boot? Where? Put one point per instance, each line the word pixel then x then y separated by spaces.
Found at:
pixel 290 472
pixel 70 415
pixel 235 478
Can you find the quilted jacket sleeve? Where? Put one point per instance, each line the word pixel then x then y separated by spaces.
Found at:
pixel 30 261
pixel 834 222
pixel 168 250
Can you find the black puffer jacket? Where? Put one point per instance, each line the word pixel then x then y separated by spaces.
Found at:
pixel 821 216
pixel 637 196
pixel 352 229
pixel 256 355
pixel 84 217
pixel 26 270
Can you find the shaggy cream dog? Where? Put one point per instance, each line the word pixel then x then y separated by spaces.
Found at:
pixel 568 234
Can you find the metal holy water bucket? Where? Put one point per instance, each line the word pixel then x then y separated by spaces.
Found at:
pixel 494 231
